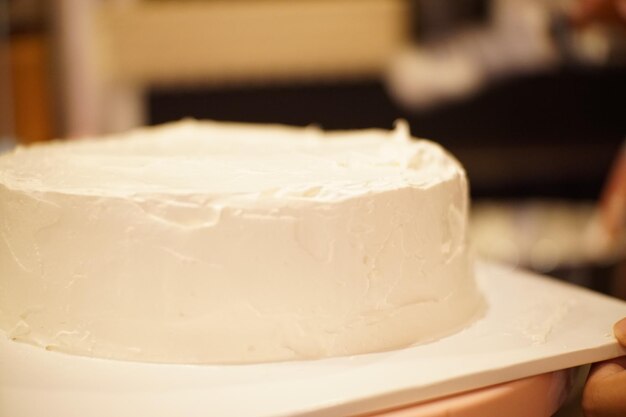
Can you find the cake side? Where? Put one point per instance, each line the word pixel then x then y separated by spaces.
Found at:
pixel 371 256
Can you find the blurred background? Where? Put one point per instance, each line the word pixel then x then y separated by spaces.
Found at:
pixel 529 95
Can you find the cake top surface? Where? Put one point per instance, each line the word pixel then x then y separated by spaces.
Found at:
pixel 231 159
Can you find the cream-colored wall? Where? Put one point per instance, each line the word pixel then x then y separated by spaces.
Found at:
pixel 113 50
pixel 242 41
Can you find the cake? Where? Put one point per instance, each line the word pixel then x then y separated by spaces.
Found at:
pixel 205 242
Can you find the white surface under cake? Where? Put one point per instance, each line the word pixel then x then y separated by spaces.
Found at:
pixel 533 325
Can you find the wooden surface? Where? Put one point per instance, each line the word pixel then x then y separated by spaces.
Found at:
pixel 31 88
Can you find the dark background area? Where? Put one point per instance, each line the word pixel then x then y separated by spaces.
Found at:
pixel 546 135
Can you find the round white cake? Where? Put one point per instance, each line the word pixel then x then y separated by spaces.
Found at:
pixel 204 242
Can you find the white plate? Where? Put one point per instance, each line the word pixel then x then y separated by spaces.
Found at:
pixel 534 325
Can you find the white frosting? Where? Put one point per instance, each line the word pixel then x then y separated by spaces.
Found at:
pixel 203 242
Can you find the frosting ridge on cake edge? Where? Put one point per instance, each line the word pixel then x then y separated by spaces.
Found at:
pixel 307 269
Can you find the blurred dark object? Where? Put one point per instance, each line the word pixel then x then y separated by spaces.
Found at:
pixel 550 134
pixel 27 15
pixel 608 279
pixel 29 92
pixel 436 19
pixel 6 104
pixel 608 12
